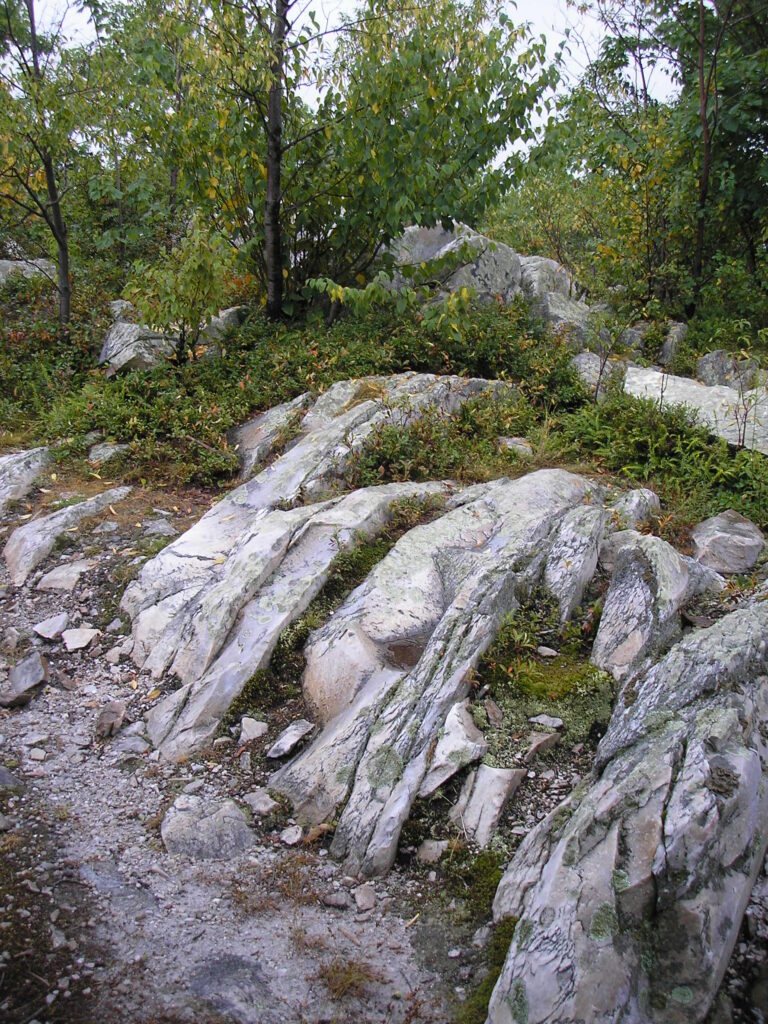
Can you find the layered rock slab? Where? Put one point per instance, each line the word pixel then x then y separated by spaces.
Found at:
pixel 739 416
pixel 389 666
pixel 630 895
pixel 223 627
pixel 336 426
pixel 18 471
pixel 28 545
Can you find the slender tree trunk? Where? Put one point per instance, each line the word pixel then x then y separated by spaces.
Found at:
pixel 706 158
pixel 53 216
pixel 272 239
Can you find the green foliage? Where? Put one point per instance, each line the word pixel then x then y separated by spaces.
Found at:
pixel 694 474
pixel 184 289
pixel 475 1009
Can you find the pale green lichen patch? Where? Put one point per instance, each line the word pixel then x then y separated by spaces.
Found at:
pixel 517 1000
pixel 604 923
pixel 620 880
pixel 385 768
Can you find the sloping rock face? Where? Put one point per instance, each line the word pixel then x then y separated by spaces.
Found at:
pixel 220 629
pixel 211 606
pixel 255 440
pixel 28 545
pixel 18 472
pixel 741 417
pixel 630 895
pixel 389 666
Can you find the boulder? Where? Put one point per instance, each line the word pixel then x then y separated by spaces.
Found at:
pixel 722 367
pixel 728 543
pixel 464 259
pixel 651 582
pixel 568 317
pixel 596 371
pixel 24 680
pixel 255 440
pixel 203 830
pixel 28 545
pixel 26 268
pixel 633 337
pixel 227 320
pixel 121 309
pixel 98 454
pixel 539 275
pixel 629 896
pixel 18 472
pixel 674 335
pixel 741 417
pixel 134 347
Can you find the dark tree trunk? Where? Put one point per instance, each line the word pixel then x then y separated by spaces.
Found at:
pixel 272 240
pixel 52 211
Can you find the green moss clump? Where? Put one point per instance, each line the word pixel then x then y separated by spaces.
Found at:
pixel 475 1009
pixel 604 923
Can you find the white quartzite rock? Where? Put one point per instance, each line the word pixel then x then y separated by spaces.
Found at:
pixel 651 582
pixel 66 576
pixel 23 681
pixel 483 799
pixel 257 438
pixel 290 738
pixel 18 472
pixel 28 545
pixel 134 347
pixel 740 417
pixel 50 628
pixel 77 639
pixel 201 830
pixel 389 665
pixel 630 895
pixel 460 743
pixel 26 268
pixel 572 560
pixel 728 542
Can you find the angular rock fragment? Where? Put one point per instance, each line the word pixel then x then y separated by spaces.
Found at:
pixel 28 545
pixel 78 639
pixel 9 783
pixel 66 575
pixel 24 680
pixel 675 334
pixel 26 268
pixel 290 738
pixel 483 799
pixel 18 472
pixel 260 802
pixel 635 508
pixel 388 666
pixel 651 582
pixel 110 719
pixel 205 830
pixel 52 627
pixel 728 543
pixel 722 367
pixel 251 729
pixel 460 744
pixel 538 742
pixel 630 895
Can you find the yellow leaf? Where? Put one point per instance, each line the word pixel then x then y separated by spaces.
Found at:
pixel 154 694
pixel 360 278
pixel 285 273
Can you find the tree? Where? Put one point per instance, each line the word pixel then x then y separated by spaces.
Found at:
pixel 40 90
pixel 415 102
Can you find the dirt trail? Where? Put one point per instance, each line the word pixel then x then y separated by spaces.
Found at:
pixel 97 921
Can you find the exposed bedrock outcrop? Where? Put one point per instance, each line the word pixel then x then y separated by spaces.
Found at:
pixel 629 896
pixel 388 667
pixel 18 471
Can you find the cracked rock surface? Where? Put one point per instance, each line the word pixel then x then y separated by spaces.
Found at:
pixel 630 895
